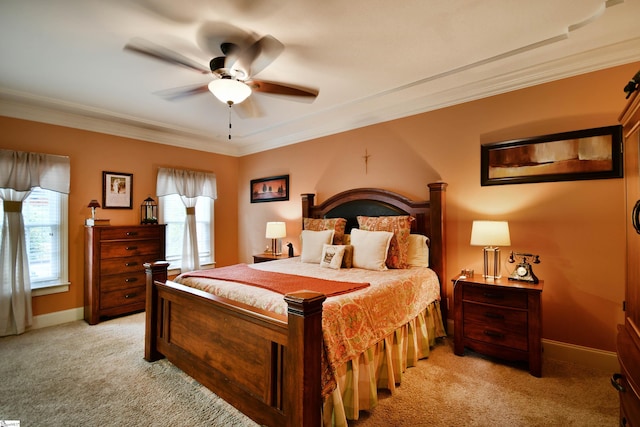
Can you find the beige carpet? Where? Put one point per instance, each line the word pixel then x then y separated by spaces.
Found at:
pixel 81 375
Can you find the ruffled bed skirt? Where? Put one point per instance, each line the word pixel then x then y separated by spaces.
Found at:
pixel 381 367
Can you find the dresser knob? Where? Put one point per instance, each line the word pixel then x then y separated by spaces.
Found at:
pixel 131 248
pixel 127 296
pixel 131 279
pixel 132 233
pixel 130 264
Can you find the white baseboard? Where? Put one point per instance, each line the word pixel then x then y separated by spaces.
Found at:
pixel 57 318
pixel 585 356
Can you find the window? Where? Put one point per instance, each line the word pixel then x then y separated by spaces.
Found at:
pixel 45 214
pixel 172 213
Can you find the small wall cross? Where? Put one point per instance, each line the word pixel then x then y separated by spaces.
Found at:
pixel 366 161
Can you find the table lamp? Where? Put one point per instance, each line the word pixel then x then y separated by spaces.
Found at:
pixel 275 231
pixel 93 204
pixel 491 235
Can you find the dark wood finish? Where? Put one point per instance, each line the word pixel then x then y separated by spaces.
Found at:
pixel 268 257
pixel 114 272
pixel 499 318
pixel 266 365
pixel 628 342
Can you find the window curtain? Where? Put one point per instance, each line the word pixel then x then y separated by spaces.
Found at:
pixel 189 185
pixel 19 173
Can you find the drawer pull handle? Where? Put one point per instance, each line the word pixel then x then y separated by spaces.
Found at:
pixel 493 315
pixel 131 279
pixel 493 334
pixel 130 264
pixel 616 384
pixel 127 296
pixel 132 233
pixel 131 248
pixel 493 295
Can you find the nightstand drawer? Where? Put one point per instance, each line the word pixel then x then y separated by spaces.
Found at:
pixel 129 248
pixel 497 317
pixel 498 296
pixel 122 297
pixel 492 335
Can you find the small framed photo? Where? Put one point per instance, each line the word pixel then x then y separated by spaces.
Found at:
pixel 272 189
pixel 117 190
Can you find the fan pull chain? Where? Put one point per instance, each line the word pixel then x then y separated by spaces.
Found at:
pixel 230 104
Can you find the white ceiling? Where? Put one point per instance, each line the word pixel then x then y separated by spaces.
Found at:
pixel 62 61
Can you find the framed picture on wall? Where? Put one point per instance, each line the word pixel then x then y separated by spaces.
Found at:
pixel 272 189
pixel 584 154
pixel 117 190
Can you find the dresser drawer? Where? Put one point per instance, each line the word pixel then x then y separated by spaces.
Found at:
pixel 491 335
pixel 122 297
pixel 498 296
pixel 117 233
pixel 122 281
pixel 129 248
pixel 134 264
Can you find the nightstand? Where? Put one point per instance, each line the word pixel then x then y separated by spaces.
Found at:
pixel 268 257
pixel 499 318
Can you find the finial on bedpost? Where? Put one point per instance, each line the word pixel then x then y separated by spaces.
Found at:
pixel 307 203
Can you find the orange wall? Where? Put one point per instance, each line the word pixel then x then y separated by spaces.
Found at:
pixel 91 153
pixel 577 227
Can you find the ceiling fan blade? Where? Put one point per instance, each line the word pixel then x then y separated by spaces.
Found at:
pixel 248 109
pixel 282 89
pixel 258 55
pixel 178 93
pixel 153 50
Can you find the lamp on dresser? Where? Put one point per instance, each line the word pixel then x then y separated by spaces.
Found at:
pixel 275 231
pixel 491 235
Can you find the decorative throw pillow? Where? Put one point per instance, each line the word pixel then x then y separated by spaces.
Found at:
pixel 418 254
pixel 400 226
pixel 332 256
pixel 320 224
pixel 312 242
pixel 370 248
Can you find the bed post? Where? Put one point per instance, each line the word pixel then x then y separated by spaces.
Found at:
pixel 437 209
pixel 303 359
pixel 307 203
pixel 156 271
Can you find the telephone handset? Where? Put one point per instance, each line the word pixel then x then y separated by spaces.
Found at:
pixel 523 271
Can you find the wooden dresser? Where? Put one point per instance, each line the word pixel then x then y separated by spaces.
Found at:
pixel 499 318
pixel 627 382
pixel 114 282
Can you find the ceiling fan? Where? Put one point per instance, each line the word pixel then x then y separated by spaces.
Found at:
pixel 233 72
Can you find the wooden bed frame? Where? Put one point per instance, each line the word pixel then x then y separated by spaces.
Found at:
pixel 266 365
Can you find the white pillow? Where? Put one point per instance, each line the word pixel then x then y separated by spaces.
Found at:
pixel 370 248
pixel 418 255
pixel 332 256
pixel 312 244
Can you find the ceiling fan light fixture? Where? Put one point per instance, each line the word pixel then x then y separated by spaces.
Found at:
pixel 229 91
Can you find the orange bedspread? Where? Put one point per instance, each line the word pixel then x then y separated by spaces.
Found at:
pixel 277 282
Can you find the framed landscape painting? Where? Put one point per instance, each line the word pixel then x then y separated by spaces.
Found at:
pixel 272 189
pixel 585 154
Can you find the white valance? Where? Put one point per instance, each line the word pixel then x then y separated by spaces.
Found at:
pixel 22 171
pixel 186 183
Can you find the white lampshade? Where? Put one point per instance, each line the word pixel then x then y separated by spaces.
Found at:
pixel 276 230
pixel 229 91
pixel 490 233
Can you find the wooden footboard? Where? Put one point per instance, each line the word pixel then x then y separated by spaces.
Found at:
pixel 266 365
